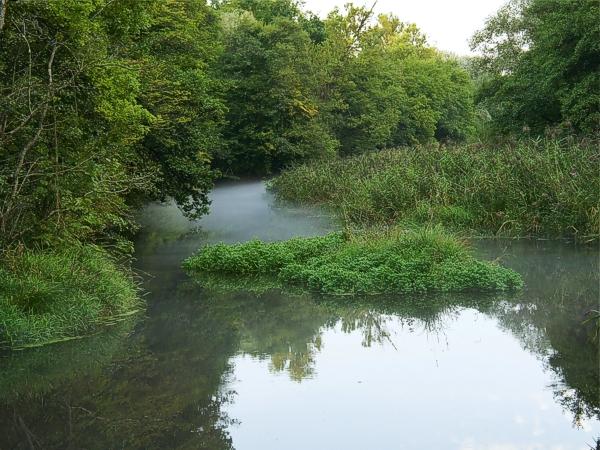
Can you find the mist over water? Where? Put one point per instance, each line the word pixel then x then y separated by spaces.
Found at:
pixel 212 370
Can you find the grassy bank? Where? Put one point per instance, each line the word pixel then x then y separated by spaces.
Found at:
pixel 543 188
pixel 370 262
pixel 52 296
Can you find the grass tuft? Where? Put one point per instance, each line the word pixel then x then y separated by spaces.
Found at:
pixel 48 297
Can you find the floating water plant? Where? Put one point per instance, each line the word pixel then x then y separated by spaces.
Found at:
pixel 369 262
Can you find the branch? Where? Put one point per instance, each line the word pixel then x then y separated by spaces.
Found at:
pixel 360 27
pixel 363 22
pixel 3 11
pixel 36 136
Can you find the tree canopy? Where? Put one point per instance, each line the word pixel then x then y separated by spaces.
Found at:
pixel 540 65
pixel 110 103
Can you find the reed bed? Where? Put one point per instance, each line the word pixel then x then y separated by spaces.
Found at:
pixel 544 187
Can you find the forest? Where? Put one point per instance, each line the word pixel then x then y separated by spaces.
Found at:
pixel 108 105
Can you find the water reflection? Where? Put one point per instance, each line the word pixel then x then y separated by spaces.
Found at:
pixel 563 284
pixel 213 369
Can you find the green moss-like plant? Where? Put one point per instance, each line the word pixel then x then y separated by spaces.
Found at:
pixel 50 296
pixel 370 262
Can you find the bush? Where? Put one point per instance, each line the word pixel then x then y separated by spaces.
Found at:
pixel 370 262
pixel 52 296
pixel 543 187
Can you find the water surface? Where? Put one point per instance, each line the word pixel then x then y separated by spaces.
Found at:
pixel 213 370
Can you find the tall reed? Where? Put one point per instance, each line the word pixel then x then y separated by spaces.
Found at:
pixel 535 187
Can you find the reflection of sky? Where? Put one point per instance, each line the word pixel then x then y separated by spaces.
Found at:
pixel 471 388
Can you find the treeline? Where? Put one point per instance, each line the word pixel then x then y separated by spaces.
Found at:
pixel 303 88
pixel 106 104
pixel 110 103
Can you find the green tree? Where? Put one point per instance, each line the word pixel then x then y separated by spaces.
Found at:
pixel 104 102
pixel 360 89
pixel 69 119
pixel 177 54
pixel 272 117
pixel 383 85
pixel 540 65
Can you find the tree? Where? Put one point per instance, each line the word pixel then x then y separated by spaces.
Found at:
pixel 272 117
pixel 179 87
pixel 540 65
pixel 385 86
pixel 104 103
pixel 68 120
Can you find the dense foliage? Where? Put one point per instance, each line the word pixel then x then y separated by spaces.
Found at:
pixel 540 65
pixel 108 103
pixel 369 263
pixel 102 101
pixel 544 187
pixel 301 88
pixel 177 53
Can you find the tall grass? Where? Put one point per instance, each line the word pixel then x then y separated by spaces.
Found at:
pixel 536 187
pixel 370 262
pixel 52 296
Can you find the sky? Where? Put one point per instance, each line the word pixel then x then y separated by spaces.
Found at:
pixel 448 24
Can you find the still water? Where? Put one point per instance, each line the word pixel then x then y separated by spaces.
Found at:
pixel 210 370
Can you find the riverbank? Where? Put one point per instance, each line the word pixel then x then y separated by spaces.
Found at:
pixel 534 188
pixel 53 296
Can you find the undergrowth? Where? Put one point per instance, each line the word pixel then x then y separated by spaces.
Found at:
pixel 50 296
pixel 533 188
pixel 368 262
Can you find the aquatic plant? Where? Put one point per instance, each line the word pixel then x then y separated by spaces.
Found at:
pixel 49 296
pixel 367 262
pixel 534 187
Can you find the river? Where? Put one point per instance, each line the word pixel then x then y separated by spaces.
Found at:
pixel 260 371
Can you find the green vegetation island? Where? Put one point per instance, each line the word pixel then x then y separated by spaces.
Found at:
pixel 372 263
pixel 108 105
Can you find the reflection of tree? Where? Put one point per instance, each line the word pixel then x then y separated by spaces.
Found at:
pixel 287 329
pixel 371 324
pixel 281 328
pixel 562 284
pixel 162 391
pixel 372 315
